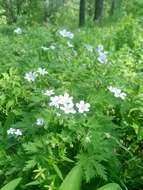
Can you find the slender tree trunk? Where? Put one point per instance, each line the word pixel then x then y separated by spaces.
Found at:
pixel 98 9
pixel 112 7
pixel 82 13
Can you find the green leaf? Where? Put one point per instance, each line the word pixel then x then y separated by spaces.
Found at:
pixel 110 186
pixel 73 179
pixel 56 168
pixel 12 184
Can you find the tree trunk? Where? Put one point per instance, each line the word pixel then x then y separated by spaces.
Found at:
pixel 112 7
pixel 82 13
pixel 98 9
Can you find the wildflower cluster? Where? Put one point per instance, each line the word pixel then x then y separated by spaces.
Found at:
pixel 13 131
pixel 31 76
pixel 102 55
pixel 66 34
pixel 117 92
pixel 65 103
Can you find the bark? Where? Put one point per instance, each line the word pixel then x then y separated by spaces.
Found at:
pixel 98 9
pixel 82 13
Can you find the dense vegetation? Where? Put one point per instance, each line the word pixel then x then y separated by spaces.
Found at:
pixel 71 98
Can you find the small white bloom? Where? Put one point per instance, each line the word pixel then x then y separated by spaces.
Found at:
pixel 55 101
pixel 49 92
pixel 66 34
pixel 42 71
pixel 65 99
pixel 82 106
pixel 10 131
pixel 102 58
pixel 18 30
pixel 117 92
pixel 40 121
pixel 70 45
pixel 18 132
pixel 68 108
pixel 13 131
pixel 30 76
pixel 89 47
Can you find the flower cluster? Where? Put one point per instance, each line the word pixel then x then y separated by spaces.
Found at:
pixel 66 34
pixel 31 76
pixel 102 55
pixel 65 103
pixel 117 92
pixel 13 131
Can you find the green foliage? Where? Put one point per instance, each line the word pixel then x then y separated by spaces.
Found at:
pixel 105 141
pixel 110 186
pixel 73 179
pixel 12 185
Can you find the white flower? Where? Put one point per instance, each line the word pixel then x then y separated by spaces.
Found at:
pixel 42 71
pixel 66 34
pixel 49 92
pixel 55 101
pixel 40 121
pixel 30 76
pixel 10 131
pixel 18 30
pixel 65 99
pixel 82 106
pixel 117 92
pixel 13 131
pixel 68 108
pixel 102 58
pixel 89 47
pixel 100 48
pixel 18 132
pixel 70 45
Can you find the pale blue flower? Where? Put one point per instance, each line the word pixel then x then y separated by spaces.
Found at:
pixel 66 34
pixel 18 30
pixel 40 121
